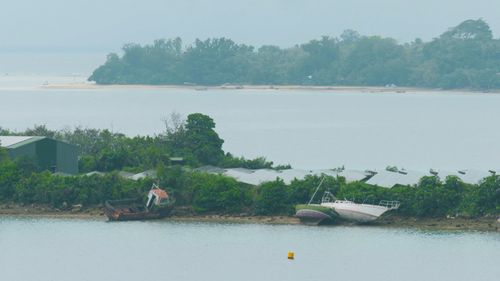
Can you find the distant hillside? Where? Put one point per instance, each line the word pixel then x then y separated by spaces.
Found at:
pixel 465 56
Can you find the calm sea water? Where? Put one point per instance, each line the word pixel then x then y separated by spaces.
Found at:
pixel 59 249
pixel 307 129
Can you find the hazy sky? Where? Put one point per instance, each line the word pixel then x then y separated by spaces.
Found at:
pixel 105 25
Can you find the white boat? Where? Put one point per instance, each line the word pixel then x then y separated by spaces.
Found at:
pixel 330 208
pixel 348 210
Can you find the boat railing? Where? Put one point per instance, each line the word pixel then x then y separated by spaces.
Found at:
pixel 345 201
pixel 391 205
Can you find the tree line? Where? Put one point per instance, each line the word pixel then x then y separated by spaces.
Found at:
pixel 465 56
pixel 217 194
pixel 196 141
pixel 193 139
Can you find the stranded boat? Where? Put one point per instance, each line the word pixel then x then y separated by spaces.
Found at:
pixel 158 205
pixel 330 208
pixel 362 213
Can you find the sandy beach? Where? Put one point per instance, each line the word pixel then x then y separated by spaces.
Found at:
pixel 333 89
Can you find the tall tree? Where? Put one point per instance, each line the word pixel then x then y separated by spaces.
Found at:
pixel 202 140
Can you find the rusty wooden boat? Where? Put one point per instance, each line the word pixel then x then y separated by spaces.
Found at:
pixel 158 205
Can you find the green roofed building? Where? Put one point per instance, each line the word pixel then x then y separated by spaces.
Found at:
pixel 49 154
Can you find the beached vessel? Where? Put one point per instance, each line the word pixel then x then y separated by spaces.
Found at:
pixel 360 212
pixel 330 208
pixel 158 205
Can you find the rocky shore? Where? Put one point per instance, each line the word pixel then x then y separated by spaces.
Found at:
pixel 77 212
pixel 450 223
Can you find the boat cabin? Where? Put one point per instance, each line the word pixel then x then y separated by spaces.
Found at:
pixel 157 197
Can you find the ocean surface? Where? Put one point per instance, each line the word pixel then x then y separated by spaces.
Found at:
pixel 307 129
pixel 74 249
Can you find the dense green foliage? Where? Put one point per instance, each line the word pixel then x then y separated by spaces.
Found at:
pixel 430 198
pixel 465 56
pixel 3 154
pixel 218 194
pixel 195 140
pixel 210 193
pixel 201 139
pixel 26 186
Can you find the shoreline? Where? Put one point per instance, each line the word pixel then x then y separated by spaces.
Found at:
pixel 332 89
pixel 484 224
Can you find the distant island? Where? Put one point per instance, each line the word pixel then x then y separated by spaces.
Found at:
pixel 464 57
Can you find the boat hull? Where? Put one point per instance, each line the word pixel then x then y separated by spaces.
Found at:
pixel 355 216
pixel 130 209
pixel 313 214
pixel 361 213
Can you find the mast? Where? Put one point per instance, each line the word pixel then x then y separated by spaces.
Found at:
pixel 317 188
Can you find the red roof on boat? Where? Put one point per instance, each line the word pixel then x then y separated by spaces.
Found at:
pixel 160 193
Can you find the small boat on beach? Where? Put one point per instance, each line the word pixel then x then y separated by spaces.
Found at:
pixel 158 205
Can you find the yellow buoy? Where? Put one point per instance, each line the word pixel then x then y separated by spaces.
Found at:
pixel 291 255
